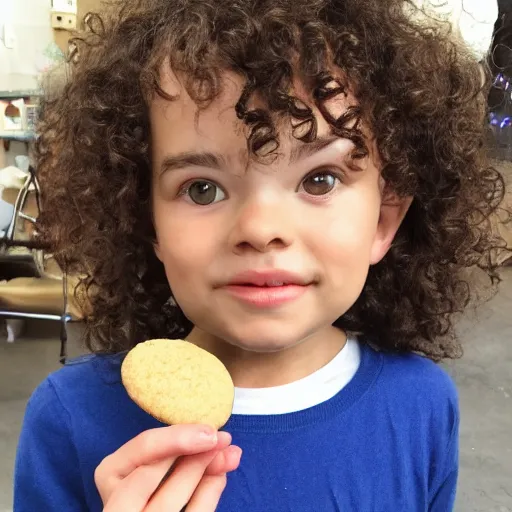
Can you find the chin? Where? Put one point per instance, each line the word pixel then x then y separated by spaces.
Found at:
pixel 263 334
pixel 264 342
pixel 261 347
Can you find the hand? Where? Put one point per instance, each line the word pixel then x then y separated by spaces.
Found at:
pixel 127 479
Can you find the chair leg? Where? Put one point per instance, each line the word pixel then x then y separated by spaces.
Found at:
pixel 14 327
pixel 63 339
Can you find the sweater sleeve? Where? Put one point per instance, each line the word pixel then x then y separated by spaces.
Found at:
pixel 47 474
pixel 443 499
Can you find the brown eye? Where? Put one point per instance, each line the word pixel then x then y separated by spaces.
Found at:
pixel 204 192
pixel 319 184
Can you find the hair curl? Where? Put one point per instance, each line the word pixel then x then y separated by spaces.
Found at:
pixel 417 88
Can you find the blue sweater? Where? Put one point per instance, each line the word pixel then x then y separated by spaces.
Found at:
pixel 387 442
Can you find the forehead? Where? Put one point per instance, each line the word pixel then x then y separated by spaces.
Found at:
pixel 180 125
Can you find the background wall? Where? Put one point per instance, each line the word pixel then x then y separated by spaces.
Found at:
pixel 84 6
pixel 473 19
pixel 36 43
pixel 30 23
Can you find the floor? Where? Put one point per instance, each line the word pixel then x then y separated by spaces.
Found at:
pixel 484 377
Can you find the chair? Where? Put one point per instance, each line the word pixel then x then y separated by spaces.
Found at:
pixel 32 289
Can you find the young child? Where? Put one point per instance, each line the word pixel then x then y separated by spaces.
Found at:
pixel 297 187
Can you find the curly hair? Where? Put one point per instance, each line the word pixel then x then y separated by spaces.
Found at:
pixel 418 90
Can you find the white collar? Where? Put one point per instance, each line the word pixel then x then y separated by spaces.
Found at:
pixel 302 394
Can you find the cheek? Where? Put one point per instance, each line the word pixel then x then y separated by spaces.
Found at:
pixel 349 231
pixel 343 248
pixel 185 247
pixel 344 254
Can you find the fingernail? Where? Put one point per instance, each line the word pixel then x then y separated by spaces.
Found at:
pixel 208 435
pixel 224 437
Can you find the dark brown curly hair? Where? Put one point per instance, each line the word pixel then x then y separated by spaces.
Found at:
pixel 418 90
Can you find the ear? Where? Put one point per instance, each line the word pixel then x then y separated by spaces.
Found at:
pixel 156 248
pixel 392 212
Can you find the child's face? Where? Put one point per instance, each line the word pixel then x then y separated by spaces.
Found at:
pixel 219 214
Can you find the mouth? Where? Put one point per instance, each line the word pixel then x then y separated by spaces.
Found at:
pixel 270 284
pixel 269 279
pixel 267 289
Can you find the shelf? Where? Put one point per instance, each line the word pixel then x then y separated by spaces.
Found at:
pixel 26 93
pixel 17 135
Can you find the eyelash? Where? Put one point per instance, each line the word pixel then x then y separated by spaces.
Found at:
pixel 337 173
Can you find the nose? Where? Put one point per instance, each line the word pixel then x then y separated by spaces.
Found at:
pixel 262 225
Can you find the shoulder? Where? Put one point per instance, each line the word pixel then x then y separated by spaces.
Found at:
pixel 87 395
pixel 415 385
pixel 418 398
pixel 95 369
pixel 75 418
pixel 414 373
pixel 80 383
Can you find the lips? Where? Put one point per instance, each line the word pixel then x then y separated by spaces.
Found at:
pixel 267 289
pixel 267 284
pixel 268 279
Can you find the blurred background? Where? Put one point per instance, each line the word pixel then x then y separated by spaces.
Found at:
pixel 37 311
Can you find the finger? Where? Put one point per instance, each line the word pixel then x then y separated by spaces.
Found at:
pixel 225 461
pixel 149 447
pixel 207 495
pixel 182 483
pixel 223 443
pixel 133 492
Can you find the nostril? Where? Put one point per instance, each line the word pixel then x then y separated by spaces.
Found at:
pixel 262 244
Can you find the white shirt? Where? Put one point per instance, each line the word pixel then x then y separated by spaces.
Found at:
pixel 302 394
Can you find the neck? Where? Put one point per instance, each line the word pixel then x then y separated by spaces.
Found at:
pixel 250 369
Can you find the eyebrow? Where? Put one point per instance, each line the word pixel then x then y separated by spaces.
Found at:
pixel 304 149
pixel 300 151
pixel 191 159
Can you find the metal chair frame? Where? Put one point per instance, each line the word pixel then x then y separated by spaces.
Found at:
pixel 39 257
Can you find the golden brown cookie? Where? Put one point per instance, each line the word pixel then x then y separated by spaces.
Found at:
pixel 178 382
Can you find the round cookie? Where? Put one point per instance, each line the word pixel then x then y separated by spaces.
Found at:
pixel 178 382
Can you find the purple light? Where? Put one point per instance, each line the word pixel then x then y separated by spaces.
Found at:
pixel 505 122
pixel 502 82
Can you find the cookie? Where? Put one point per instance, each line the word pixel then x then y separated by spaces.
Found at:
pixel 177 382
